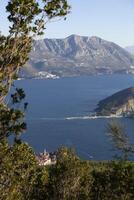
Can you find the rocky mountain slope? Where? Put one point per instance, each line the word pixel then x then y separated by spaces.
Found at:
pixel 78 55
pixel 120 103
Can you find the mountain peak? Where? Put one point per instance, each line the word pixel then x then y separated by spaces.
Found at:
pixel 77 55
pixel 75 36
pixel 96 39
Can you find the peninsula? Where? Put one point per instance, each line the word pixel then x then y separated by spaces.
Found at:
pixel 118 104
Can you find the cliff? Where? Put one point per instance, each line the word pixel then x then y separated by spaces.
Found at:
pixel 120 103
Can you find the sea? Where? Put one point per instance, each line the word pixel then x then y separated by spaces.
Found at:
pixel 59 114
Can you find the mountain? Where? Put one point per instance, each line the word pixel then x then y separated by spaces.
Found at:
pixel 130 49
pixel 120 103
pixel 77 55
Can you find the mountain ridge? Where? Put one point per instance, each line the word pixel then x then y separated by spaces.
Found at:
pixel 78 55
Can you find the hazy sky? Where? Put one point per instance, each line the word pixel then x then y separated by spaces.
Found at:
pixel 109 19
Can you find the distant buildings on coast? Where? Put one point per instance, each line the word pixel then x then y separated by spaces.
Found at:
pixel 46 158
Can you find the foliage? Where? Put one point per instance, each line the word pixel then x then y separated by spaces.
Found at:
pixel 120 139
pixel 72 178
pixel 17 171
pixel 21 178
pixel 67 177
pixel 116 181
pixel 27 19
pixel 18 166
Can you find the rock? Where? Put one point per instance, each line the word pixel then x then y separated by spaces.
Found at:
pixel 120 103
pixel 78 55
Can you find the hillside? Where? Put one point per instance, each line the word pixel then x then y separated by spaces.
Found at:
pixel 78 55
pixel 120 103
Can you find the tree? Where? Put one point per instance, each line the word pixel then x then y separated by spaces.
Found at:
pixel 18 164
pixel 17 171
pixel 69 178
pixel 120 139
pixel 27 20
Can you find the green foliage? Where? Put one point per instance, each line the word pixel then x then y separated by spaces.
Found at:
pixel 120 139
pixel 17 171
pixel 116 181
pixel 11 122
pixel 66 183
pixel 70 178
pixel 40 190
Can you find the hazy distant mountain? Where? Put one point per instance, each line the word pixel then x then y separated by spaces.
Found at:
pixel 130 49
pixel 78 55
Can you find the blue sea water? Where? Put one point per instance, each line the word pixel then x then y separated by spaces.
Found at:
pixel 58 114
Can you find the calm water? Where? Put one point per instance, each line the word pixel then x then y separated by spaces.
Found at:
pixel 58 109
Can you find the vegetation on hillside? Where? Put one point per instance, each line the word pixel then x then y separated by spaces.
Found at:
pixel 120 103
pixel 21 178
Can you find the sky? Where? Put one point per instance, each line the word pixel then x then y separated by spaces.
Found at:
pixel 112 20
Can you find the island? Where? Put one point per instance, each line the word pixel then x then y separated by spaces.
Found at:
pixel 118 104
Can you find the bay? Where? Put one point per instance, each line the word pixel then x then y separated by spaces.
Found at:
pixel 58 114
